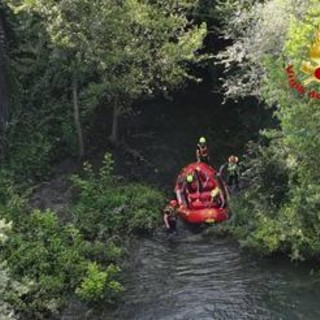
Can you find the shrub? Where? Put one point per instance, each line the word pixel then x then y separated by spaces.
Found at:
pixel 99 284
pixel 108 206
pixel 6 310
pixel 55 259
pixel 279 210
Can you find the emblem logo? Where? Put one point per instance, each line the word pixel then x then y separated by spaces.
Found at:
pixel 311 70
pixel 312 67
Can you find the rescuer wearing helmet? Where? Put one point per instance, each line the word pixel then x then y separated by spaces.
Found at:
pixel 191 183
pixel 233 171
pixel 189 178
pixel 217 197
pixel 192 188
pixel 170 216
pixel 202 152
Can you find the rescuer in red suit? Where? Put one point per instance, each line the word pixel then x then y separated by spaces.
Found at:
pixel 192 185
pixel 206 182
pixel 206 185
pixel 192 192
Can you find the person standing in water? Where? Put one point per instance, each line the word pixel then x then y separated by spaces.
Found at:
pixel 170 216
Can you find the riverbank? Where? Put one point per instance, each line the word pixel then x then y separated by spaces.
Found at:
pixel 74 252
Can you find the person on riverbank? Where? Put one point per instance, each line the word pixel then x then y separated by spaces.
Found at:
pixel 233 172
pixel 202 152
pixel 170 216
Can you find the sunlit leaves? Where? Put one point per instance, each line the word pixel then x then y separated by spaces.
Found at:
pixel 282 203
pixel 257 29
pixel 139 47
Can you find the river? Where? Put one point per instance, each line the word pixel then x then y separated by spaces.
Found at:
pixel 193 277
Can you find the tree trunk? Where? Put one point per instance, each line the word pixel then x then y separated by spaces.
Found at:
pixel 76 114
pixel 4 88
pixel 115 122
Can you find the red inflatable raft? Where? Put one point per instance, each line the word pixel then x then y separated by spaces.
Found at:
pixel 197 207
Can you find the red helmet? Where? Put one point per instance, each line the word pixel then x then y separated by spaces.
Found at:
pixel 173 203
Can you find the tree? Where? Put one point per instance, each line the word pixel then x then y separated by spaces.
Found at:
pixel 281 206
pixel 135 47
pixel 4 87
pixel 255 34
pixel 6 281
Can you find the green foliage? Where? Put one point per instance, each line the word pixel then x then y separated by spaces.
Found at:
pixel 256 34
pixel 10 288
pixel 116 52
pixel 302 32
pixel 120 52
pixel 267 173
pixel 30 158
pixel 40 124
pixel 93 287
pixel 108 206
pixel 256 209
pixel 47 261
pixel 6 283
pixel 279 211
pixel 52 260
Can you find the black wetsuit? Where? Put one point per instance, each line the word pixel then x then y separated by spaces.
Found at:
pixel 172 220
pixel 203 153
pixel 233 170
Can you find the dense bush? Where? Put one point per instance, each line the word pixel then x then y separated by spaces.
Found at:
pixel 48 260
pixel 279 208
pixel 279 211
pixel 107 206
pixel 59 62
pixel 256 208
pixel 53 261
pixel 7 285
pixel 62 67
pixel 93 287
pixel 40 129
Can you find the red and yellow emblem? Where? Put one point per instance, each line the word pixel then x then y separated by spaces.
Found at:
pixel 312 68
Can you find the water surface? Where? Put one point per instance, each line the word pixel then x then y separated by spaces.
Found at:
pixel 190 277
